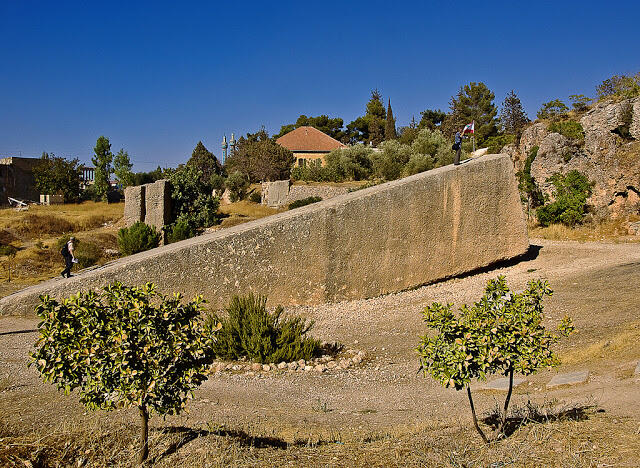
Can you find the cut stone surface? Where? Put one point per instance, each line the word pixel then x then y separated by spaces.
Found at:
pixel 570 378
pixel 502 384
pixel 637 371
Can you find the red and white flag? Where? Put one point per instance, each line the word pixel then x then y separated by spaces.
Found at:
pixel 469 128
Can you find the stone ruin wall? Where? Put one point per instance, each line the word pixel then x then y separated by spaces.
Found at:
pixel 379 240
pixel 281 193
pixel 149 203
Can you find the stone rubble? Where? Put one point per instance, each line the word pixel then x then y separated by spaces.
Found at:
pixel 323 364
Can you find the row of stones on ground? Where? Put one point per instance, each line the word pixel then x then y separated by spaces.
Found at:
pixel 322 364
pixel 560 380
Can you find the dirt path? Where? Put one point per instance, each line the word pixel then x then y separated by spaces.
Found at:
pixel 595 283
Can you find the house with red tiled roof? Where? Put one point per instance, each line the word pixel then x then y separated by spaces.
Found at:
pixel 309 145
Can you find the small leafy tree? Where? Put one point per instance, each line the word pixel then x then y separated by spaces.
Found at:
pixel 500 334
pixel 124 347
pixel 530 193
pixel 102 161
pixel 54 175
pixel 237 183
pixel 122 168
pixel 553 110
pixel 192 198
pixel 569 206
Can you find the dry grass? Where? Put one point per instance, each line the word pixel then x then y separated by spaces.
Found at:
pixel 580 438
pixel 242 212
pixel 620 346
pixel 611 230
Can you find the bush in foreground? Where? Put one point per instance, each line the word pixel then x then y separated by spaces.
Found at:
pixel 570 200
pixel 137 238
pixel 250 330
pixel 124 347
pixel 500 334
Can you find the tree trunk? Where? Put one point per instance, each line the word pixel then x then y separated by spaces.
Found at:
pixel 475 419
pixel 506 405
pixel 144 435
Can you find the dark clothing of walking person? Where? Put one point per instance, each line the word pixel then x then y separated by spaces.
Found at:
pixel 457 142
pixel 67 254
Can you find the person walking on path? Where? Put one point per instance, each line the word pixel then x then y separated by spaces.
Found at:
pixel 457 145
pixel 69 258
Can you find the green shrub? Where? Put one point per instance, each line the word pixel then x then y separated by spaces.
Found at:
pixel 87 253
pixel 315 173
pixel 237 183
pixel 8 250
pixel 137 238
pixel 255 197
pixel 568 128
pixel 434 144
pixel 217 183
pixel 250 331
pixel 352 163
pixel 553 110
pixel 619 87
pixel 570 200
pixel 192 198
pixel 304 202
pixel 180 230
pixel 496 143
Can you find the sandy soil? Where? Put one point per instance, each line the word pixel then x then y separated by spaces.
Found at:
pixel 595 283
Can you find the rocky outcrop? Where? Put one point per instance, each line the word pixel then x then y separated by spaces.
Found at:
pixel 610 161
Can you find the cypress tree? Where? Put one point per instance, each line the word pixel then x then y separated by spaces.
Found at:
pixel 390 125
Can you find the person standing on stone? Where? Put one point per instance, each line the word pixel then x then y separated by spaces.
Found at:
pixel 457 146
pixel 69 257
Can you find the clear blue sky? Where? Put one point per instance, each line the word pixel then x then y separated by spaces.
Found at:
pixel 156 77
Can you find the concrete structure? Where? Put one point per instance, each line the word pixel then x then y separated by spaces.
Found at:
pixel 379 240
pixel 309 145
pixel 16 179
pixel 570 378
pixel 51 199
pixel 149 203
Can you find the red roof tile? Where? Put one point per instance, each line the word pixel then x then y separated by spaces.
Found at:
pixel 308 139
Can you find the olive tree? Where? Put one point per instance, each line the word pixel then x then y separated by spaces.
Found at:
pixel 500 334
pixel 124 347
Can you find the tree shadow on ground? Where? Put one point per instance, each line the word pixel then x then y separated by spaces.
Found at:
pixel 534 414
pixel 240 437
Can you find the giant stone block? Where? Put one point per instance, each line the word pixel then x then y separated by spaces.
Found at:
pixel 134 204
pixel 383 239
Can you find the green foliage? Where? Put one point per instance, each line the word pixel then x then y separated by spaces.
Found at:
pixel 122 168
pixel 87 253
pixel 352 163
pixel 570 200
pixel 237 185
pixel 102 162
pixel 315 173
pixel 124 347
pixel 512 115
pixel 137 238
pixel 217 183
pixel 431 119
pixel 418 163
pixel 502 334
pixel 180 230
pixel 434 144
pixel 619 87
pixel 332 127
pixel 474 102
pixel 580 102
pixel 304 202
pixel 529 190
pixel 8 250
pixel 390 124
pixel 255 197
pixel 624 130
pixel 205 161
pixel 55 175
pixel 249 330
pixel 553 110
pixel 140 178
pixel 260 158
pixel 376 118
pixel 192 199
pixel 390 161
pixel 569 128
pixel 496 143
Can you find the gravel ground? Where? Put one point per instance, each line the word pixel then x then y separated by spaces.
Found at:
pixel 595 283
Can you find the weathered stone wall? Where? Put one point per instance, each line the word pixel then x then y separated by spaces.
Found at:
pixel 281 193
pixel 150 203
pixel 17 180
pixel 374 241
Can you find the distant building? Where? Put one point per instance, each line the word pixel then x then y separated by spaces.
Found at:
pixel 17 180
pixel 309 145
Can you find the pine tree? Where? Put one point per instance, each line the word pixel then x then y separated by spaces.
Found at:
pixel 474 102
pixel 376 117
pixel 512 115
pixel 390 126
pixel 102 163
pixel 205 161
